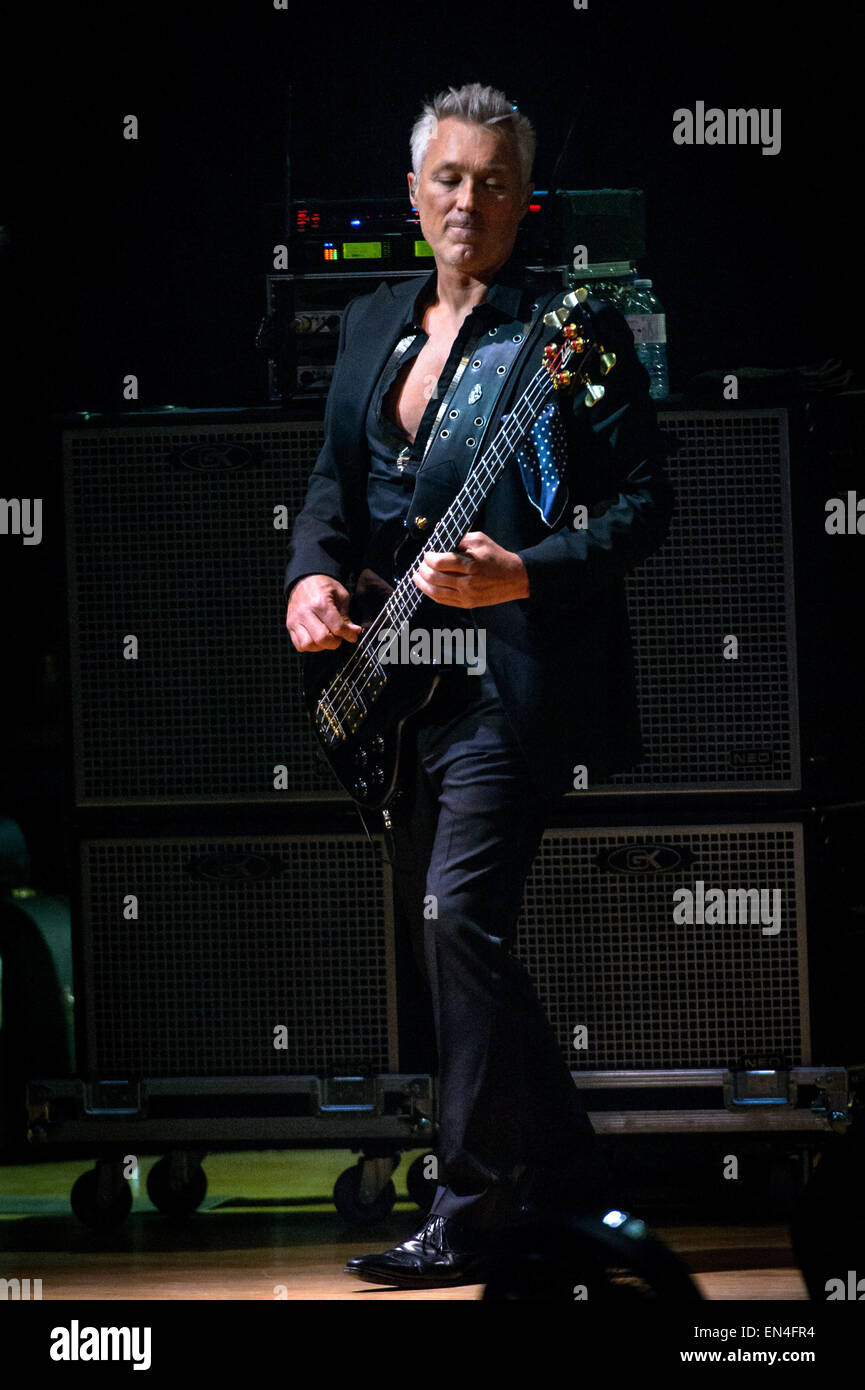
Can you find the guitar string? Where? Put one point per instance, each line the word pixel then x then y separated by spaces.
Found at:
pixel 345 690
pixel 406 598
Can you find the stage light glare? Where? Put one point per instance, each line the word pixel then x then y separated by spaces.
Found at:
pixel 615 1218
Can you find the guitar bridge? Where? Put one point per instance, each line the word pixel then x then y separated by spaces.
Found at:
pixel 327 721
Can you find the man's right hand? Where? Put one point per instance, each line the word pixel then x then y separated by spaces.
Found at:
pixel 317 617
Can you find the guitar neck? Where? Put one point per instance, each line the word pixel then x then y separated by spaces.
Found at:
pixel 461 513
pixel 345 704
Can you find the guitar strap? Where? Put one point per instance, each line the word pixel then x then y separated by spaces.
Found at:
pixel 468 409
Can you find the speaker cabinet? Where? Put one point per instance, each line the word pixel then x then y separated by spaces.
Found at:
pixel 208 957
pixel 714 721
pixel 185 684
pixel 607 938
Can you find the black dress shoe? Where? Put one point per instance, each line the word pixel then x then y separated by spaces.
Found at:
pixel 439 1255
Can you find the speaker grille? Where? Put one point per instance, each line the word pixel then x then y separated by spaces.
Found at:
pixel 599 939
pixel 726 569
pixel 235 938
pixel 173 542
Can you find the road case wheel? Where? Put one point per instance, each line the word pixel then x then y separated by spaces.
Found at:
pixel 177 1184
pixel 364 1194
pixel 102 1198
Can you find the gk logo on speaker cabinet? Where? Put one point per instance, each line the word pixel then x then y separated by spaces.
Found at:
pixel 644 859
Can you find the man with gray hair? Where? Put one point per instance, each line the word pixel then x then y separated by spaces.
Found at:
pixel 425 373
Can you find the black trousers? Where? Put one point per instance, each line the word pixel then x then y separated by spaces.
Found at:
pixel 463 840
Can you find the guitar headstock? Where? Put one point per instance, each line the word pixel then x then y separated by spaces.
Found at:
pixel 572 342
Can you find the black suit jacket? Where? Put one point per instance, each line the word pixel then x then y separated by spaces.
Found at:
pixel 562 658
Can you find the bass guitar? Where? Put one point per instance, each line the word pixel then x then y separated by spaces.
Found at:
pixel 359 701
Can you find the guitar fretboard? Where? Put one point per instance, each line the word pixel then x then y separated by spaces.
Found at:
pixel 346 702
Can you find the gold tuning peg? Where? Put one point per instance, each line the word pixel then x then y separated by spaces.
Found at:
pixel 593 394
pixel 608 361
pixel 555 318
pixel 576 297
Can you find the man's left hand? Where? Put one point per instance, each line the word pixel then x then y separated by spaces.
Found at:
pixel 480 573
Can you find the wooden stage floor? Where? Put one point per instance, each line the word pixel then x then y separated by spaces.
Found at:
pixel 267 1229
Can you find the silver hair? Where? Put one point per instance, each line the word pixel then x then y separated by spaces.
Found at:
pixel 476 105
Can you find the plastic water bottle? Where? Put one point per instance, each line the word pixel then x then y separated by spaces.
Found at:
pixel 648 323
pixel 610 280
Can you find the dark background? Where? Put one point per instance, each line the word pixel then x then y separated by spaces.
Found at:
pixel 150 256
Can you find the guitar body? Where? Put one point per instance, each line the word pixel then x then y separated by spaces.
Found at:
pixel 367 762
pixel 367 765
